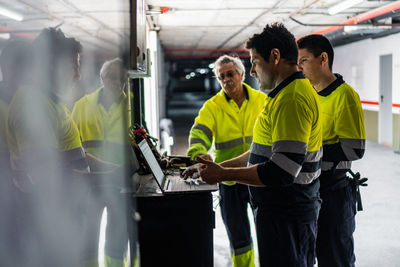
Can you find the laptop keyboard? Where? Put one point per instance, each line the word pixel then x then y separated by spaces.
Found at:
pixel 178 184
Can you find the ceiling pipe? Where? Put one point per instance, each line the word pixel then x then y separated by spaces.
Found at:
pixel 362 17
pixel 206 50
pixel 19 34
pixel 375 24
pixel 201 56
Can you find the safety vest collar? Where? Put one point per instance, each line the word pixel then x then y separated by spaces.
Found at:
pixel 332 87
pixel 286 82
pixel 246 92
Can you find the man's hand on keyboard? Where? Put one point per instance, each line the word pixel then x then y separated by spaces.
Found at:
pixel 191 172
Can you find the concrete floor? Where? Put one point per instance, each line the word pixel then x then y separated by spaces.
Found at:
pixel 377 236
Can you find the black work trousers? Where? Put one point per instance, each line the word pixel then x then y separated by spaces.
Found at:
pixel 234 200
pixel 116 239
pixel 284 243
pixel 336 225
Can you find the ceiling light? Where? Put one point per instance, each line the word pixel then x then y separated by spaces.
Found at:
pixel 365 29
pixel 343 5
pixel 4 36
pixel 11 14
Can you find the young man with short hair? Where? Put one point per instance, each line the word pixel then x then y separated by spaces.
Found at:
pixel 343 142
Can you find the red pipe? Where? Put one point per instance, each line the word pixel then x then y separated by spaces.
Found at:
pixel 204 50
pixel 362 17
pixel 200 56
pixel 369 102
pixel 377 103
pixel 24 35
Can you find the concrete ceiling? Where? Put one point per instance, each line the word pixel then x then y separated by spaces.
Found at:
pixel 192 27
pixel 98 24
pixel 188 24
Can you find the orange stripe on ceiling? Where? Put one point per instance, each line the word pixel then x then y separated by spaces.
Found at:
pixel 362 17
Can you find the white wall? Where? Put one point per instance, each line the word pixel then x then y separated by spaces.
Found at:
pixel 359 64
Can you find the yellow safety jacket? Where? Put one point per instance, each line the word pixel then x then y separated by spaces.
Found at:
pixel 287 145
pixel 221 121
pixel 39 125
pixel 103 132
pixel 343 128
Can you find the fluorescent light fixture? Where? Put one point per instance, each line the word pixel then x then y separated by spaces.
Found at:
pixel 4 36
pixel 343 5
pixel 11 14
pixel 366 29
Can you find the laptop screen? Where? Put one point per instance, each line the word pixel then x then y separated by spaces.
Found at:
pixel 151 160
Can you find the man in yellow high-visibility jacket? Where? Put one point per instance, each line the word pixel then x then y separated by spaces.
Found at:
pixel 47 155
pixel 344 142
pixel 227 119
pixel 101 120
pixel 285 156
pixel 45 149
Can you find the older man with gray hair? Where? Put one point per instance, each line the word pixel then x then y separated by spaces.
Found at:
pixel 227 119
pixel 101 120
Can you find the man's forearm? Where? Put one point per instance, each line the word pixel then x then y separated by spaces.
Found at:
pixel 243 175
pixel 99 165
pixel 239 161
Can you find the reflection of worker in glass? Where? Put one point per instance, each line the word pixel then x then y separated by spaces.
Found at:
pixel 100 120
pixel 227 119
pixel 45 149
pixel 14 59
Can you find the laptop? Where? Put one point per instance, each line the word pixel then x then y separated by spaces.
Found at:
pixel 170 183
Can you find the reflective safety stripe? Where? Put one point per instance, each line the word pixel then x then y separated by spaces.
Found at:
pixel 207 131
pixel 289 146
pixel 105 144
pixel 328 165
pixel 307 177
pixel 92 143
pixel 242 250
pixel 248 139
pixel 355 143
pixel 229 144
pixel 197 141
pixel 261 150
pixel 74 154
pixel 314 156
pixel 286 164
pixel 348 146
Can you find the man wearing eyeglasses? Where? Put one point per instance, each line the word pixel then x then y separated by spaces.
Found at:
pixel 227 119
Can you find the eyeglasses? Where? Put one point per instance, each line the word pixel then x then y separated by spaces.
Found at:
pixel 229 74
